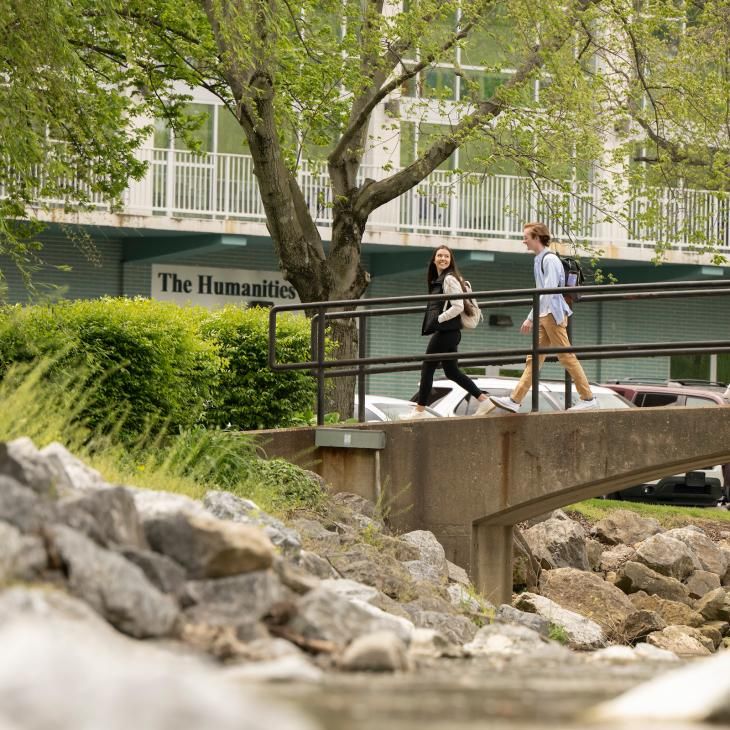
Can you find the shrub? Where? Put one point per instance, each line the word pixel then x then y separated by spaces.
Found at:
pixel 146 359
pixel 250 395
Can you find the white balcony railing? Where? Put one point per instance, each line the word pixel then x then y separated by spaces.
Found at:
pixel 222 186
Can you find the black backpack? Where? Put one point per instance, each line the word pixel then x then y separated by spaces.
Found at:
pixel 574 275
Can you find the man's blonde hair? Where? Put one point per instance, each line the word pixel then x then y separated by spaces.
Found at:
pixel 539 230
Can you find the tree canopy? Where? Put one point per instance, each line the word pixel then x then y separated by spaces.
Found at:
pixel 624 94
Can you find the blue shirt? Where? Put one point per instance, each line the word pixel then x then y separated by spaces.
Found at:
pixel 554 276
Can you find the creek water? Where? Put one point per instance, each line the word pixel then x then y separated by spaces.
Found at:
pixel 470 695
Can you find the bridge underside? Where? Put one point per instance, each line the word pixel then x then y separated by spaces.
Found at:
pixel 470 480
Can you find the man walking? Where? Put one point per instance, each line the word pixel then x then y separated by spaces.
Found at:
pixel 553 323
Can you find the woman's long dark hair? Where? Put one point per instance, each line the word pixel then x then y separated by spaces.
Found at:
pixel 432 274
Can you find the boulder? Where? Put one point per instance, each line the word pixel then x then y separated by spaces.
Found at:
pixel 672 612
pixel 712 633
pixel 21 507
pixel 455 629
pixel 558 543
pixel 582 633
pixel 698 635
pixel 615 557
pixel 69 470
pixel 635 577
pixel 623 527
pixel 315 565
pixel 506 614
pixel 107 516
pixel 588 595
pixel 463 600
pixel 352 590
pixel 114 587
pixel 227 506
pixel 238 600
pixel 431 565
pixel 667 556
pixel 163 572
pixel 509 641
pixel 322 614
pixel 22 557
pixel 44 605
pixel 428 643
pixel 655 654
pixel 639 624
pixel 208 547
pixel 293 576
pixel 702 582
pixel 21 460
pixel 715 605
pixel 711 557
pixel 594 550
pixel 525 566
pixel 381 651
pixel 365 564
pixel 678 641
pixel 457 574
pixel 65 676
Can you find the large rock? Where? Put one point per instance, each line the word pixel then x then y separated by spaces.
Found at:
pixel 431 564
pixel 22 461
pixel 382 651
pixel 43 605
pixel 506 614
pixel 236 600
pixel 614 558
pixel 558 543
pixel 667 556
pixel 364 564
pixel 455 629
pixel 21 507
pixel 227 506
pixel 65 676
pixel 208 547
pixel 711 558
pixel 324 615
pixel 352 590
pixel 715 605
pixel 525 566
pixel 67 469
pixel 511 641
pixel 582 633
pixel 672 612
pixel 678 640
pixel 21 557
pixel 163 572
pixel 587 594
pixel 107 516
pixel 702 582
pixel 635 577
pixel 640 624
pixel 118 590
pixel 624 527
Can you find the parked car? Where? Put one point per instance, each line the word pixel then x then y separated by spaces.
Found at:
pixel 700 487
pixel 449 399
pixel 383 408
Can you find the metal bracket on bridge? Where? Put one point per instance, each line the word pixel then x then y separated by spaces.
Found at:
pixel 349 438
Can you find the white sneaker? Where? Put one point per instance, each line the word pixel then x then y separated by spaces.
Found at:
pixel 484 407
pixel 584 405
pixel 505 402
pixel 415 415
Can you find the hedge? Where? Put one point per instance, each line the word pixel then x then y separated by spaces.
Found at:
pixel 154 360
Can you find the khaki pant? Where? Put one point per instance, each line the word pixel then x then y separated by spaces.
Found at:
pixel 554 335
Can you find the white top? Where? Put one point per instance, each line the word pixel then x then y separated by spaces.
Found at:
pixel 452 286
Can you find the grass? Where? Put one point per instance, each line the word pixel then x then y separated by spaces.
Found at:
pixel 667 515
pixel 39 402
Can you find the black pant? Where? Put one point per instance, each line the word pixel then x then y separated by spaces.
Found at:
pixel 444 342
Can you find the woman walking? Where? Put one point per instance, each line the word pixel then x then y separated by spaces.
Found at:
pixel 443 322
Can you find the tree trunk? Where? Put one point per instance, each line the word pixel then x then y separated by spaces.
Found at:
pixel 340 393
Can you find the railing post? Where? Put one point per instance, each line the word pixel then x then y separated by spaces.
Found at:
pixel 361 353
pixel 535 348
pixel 320 369
pixel 170 181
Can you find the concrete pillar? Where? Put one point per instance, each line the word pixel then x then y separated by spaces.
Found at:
pixel 491 562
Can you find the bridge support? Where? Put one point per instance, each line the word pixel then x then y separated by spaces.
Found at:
pixel 491 562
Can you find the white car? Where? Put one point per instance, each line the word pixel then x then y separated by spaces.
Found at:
pixel 383 408
pixel 450 399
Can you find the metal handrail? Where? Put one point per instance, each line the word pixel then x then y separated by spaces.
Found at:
pixel 362 366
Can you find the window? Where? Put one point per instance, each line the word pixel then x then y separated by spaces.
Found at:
pixel 699 402
pixel 651 400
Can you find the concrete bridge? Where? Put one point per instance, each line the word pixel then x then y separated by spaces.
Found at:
pixel 470 480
